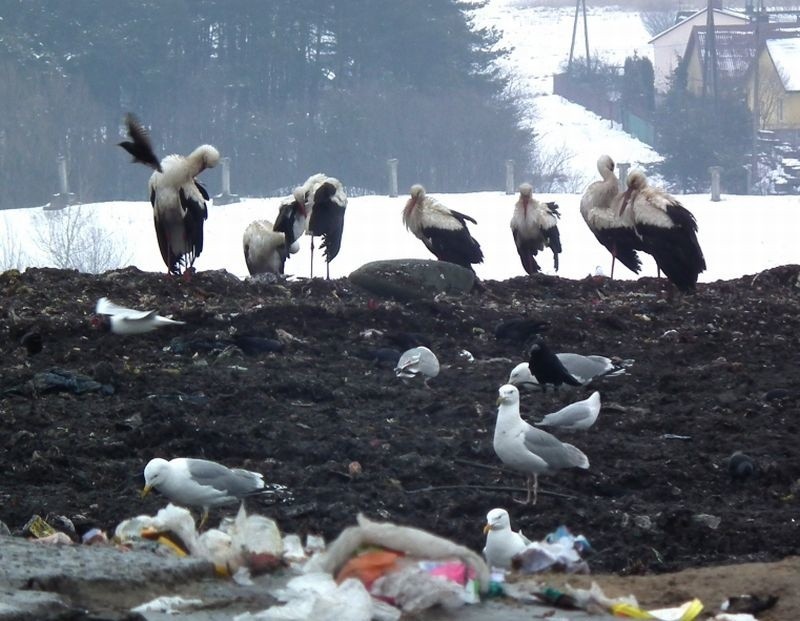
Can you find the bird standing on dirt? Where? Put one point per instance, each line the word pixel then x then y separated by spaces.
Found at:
pixel 667 230
pixel 502 543
pixel 178 199
pixel 534 226
pixel 200 483
pixel 527 449
pixel 418 361
pixel 326 202
pixel 578 415
pixel 548 369
pixel 599 208
pixel 443 231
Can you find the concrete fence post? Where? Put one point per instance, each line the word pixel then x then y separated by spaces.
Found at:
pixel 392 164
pixel 225 197
pixel 510 177
pixel 623 168
pixel 715 189
pixel 64 197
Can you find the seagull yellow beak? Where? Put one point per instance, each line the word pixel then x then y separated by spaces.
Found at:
pixel 146 490
pixel 499 400
pixel 487 528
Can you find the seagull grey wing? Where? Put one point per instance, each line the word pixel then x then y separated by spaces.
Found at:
pixel 556 453
pixel 582 368
pixel 137 317
pixel 235 482
pixel 612 369
pixel 578 415
pixel 406 366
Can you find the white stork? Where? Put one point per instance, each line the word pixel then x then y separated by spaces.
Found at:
pixel 667 230
pixel 442 230
pixel 265 249
pixel 535 226
pixel 326 203
pixel 178 199
pixel 292 219
pixel 599 209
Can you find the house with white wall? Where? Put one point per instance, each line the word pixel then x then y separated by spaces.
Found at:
pixel 669 46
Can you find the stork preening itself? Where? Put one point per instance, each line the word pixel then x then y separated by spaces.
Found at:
pixel 535 226
pixel 667 230
pixel 292 220
pixel 599 205
pixel 265 249
pixel 443 231
pixel 326 203
pixel 178 199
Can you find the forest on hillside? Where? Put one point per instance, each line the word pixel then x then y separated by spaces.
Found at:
pixel 285 88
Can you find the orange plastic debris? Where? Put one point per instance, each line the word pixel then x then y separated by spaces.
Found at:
pixel 369 566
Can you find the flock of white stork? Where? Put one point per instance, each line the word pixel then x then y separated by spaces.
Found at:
pixel 640 218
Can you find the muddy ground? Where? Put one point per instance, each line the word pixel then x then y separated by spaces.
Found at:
pixel 714 373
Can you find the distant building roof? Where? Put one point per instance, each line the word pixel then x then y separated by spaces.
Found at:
pixel 785 54
pixel 736 48
pixel 682 18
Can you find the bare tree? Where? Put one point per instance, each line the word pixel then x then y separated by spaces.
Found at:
pixel 552 171
pixel 71 241
pixel 656 21
pixel 12 257
pixel 771 94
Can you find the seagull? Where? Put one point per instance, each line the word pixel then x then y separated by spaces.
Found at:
pixel 528 449
pixel 502 543
pixel 548 369
pixel 129 321
pixel 578 415
pixel 199 482
pixel 582 368
pixel 418 360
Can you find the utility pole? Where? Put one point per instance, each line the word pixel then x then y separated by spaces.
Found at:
pixel 710 65
pixel 578 5
pixel 759 15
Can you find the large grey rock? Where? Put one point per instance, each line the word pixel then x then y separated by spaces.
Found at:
pixel 410 279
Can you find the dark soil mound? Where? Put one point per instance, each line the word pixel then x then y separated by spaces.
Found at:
pixel 714 373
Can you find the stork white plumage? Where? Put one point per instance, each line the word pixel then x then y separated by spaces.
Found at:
pixel 667 230
pixel 534 226
pixel 178 199
pixel 326 202
pixel 265 249
pixel 443 231
pixel 527 449
pixel 599 208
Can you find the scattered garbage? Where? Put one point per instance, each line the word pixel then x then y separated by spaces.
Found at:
pixel 749 604
pixel 242 546
pixel 168 605
pixel 558 551
pixel 59 380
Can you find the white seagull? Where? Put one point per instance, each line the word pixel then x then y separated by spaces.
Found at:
pixel 527 449
pixel 129 321
pixel 578 415
pixel 502 543
pixel 200 483
pixel 418 361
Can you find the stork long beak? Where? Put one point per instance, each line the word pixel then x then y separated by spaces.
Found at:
pixel 487 528
pixel 146 490
pixel 625 200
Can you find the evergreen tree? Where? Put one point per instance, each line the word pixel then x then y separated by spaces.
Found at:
pixel 694 133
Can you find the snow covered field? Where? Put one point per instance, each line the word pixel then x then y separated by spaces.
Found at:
pixel 739 235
